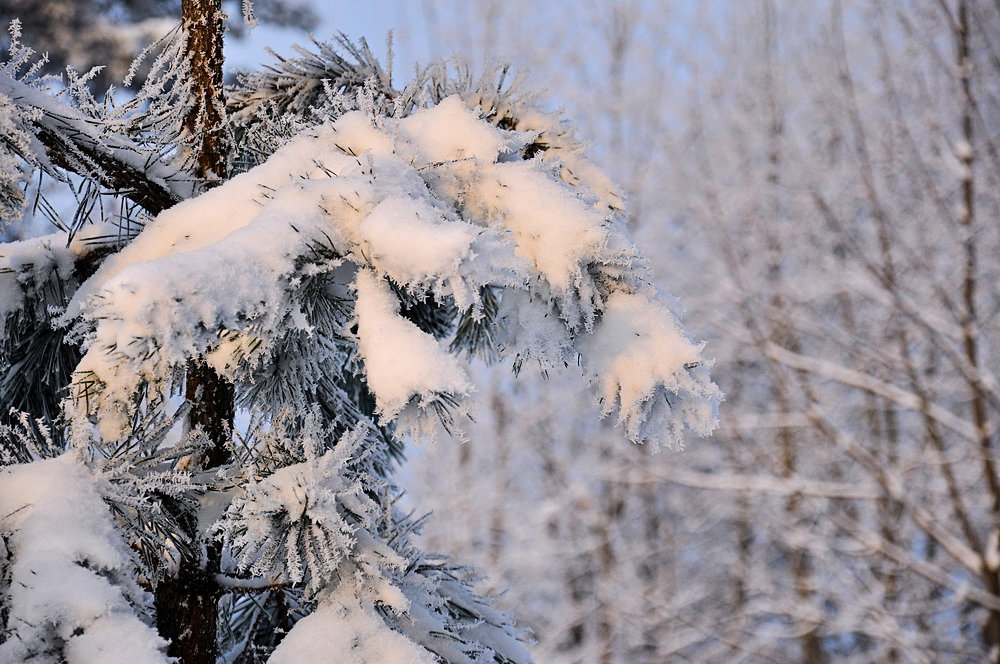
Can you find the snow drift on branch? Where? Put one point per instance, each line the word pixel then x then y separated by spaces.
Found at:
pixel 437 207
pixel 74 589
pixel 352 628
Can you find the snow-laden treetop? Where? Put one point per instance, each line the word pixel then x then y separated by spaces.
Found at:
pixel 439 206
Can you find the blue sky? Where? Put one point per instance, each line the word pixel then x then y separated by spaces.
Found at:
pixel 371 20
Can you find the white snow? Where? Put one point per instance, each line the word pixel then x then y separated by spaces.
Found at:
pixel 451 131
pixel 424 201
pixel 639 358
pixel 70 571
pixel 402 362
pixel 555 229
pixel 347 630
pixel 411 242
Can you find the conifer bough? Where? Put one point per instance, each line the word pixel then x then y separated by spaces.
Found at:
pixel 336 252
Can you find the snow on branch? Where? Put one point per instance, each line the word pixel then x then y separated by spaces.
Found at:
pixel 352 627
pixel 27 266
pixel 649 371
pixel 76 143
pixel 71 594
pixel 90 139
pixel 406 368
pixel 437 207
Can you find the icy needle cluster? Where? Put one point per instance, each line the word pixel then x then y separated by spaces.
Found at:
pixel 439 205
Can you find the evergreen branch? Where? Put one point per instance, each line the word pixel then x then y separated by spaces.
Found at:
pixel 76 143
pixel 241 584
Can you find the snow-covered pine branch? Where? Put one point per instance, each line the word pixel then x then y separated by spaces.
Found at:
pixel 439 203
pixel 375 238
pixel 125 149
pixel 70 594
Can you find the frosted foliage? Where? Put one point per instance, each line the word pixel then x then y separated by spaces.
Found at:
pixel 28 265
pixel 17 146
pixel 70 593
pixel 401 361
pixel 440 605
pixel 12 173
pixel 347 630
pixel 300 523
pixel 633 358
pixel 529 328
pixel 325 525
pixel 439 203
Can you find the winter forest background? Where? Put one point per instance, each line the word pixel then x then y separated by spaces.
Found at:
pixel 819 185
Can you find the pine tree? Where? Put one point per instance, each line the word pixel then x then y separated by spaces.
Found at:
pixel 210 368
pixel 110 33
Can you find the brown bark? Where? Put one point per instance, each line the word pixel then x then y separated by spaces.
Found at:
pixel 187 604
pixel 212 410
pixel 111 172
pixel 205 122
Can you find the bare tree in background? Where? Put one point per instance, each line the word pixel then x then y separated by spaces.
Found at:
pixel 825 178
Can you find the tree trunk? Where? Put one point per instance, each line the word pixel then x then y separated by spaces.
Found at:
pixel 205 122
pixel 187 605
